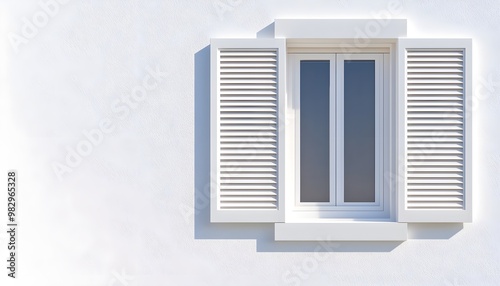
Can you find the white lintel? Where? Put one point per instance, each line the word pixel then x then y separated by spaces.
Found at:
pixel 340 28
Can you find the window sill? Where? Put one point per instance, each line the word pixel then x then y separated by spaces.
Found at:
pixel 341 230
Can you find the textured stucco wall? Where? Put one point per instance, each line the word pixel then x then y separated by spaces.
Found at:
pixel 125 213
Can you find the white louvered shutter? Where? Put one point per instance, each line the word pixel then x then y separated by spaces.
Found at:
pixel 247 99
pixel 435 92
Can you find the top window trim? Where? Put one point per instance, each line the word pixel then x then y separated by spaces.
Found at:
pixel 340 28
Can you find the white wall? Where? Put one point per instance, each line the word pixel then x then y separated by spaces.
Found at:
pixel 125 214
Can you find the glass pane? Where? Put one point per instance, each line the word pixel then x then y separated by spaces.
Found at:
pixel 359 131
pixel 314 131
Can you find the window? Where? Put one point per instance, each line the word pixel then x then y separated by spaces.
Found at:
pixel 328 135
pixel 339 134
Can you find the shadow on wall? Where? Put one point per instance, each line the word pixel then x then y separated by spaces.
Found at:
pixel 264 233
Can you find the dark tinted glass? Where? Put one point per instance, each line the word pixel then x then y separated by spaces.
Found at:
pixel 359 131
pixel 314 131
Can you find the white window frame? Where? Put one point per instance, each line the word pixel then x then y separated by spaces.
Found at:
pixel 337 208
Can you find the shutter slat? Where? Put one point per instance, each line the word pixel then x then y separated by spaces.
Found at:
pixel 248 157
pixel 437 65
pixel 437 157
pixel 227 183
pixel 433 198
pixel 247 204
pixel 434 169
pixel 270 104
pixel 249 140
pixel 435 205
pixel 256 151
pixel 421 92
pixel 434 120
pixel 247 115
pixel 248 54
pixel 248 193
pixel 430 174
pixel 430 108
pixel 434 86
pixel 434 59
pixel 435 133
pixel 249 187
pixel 432 77
pixel 255 133
pixel 249 175
pixel 245 127
pixel 248 57
pixel 439 54
pixel 249 64
pixel 420 145
pixel 430 80
pixel 421 103
pixel 435 163
pixel 241 164
pixel 422 181
pixel 435 151
pixel 456 115
pixel 412 139
pixel 250 121
pixel 261 71
pixel 246 169
pixel 226 198
pixel 427 187
pixel 248 111
pixel 430 71
pixel 238 87
pixel 444 193
pixel 238 75
pixel 249 92
pixel 245 145
pixel 426 126
pixel 248 98
pixel 228 81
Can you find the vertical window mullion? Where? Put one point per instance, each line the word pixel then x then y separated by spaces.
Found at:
pixel 333 128
pixel 339 130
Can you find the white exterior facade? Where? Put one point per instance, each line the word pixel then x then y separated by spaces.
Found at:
pixel 106 117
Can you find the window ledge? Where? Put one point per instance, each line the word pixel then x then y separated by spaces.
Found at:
pixel 341 231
